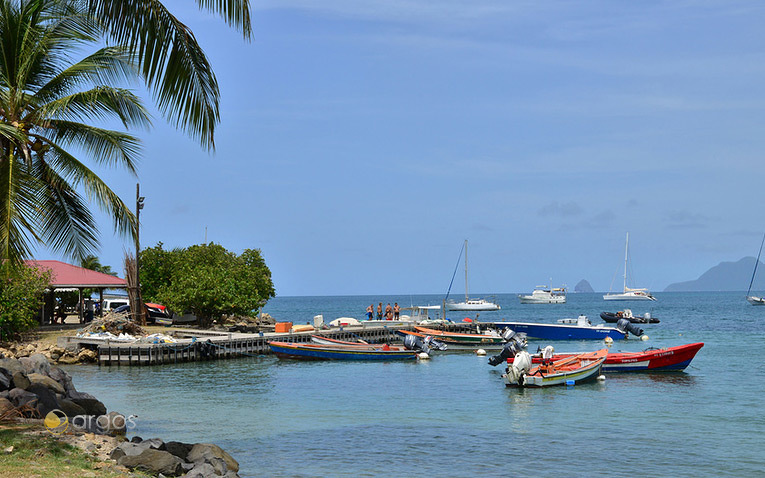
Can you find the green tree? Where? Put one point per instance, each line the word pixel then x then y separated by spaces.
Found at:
pixel 206 280
pixel 21 297
pixel 46 105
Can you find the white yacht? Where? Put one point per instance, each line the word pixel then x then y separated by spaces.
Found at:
pixel 545 295
pixel 629 293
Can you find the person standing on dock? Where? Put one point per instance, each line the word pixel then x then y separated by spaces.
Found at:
pixel 396 311
pixel 370 311
pixel 379 311
pixel 388 312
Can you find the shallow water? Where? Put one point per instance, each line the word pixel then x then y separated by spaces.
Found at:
pixel 452 415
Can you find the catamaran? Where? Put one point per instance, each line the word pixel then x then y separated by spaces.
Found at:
pixel 629 293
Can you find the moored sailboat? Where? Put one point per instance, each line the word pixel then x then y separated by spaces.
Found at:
pixel 753 299
pixel 628 292
pixel 471 304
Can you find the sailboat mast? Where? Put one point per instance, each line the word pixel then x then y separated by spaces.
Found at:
pixel 756 263
pixel 626 249
pixel 466 273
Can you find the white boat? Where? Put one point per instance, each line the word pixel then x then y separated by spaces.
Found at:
pixel 420 314
pixel 629 293
pixel 545 295
pixel 471 304
pixel 753 299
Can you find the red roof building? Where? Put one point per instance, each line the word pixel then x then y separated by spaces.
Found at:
pixel 67 276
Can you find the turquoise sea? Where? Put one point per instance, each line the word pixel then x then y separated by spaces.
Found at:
pixel 452 415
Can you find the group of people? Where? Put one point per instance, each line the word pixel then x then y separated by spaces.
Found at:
pixel 391 313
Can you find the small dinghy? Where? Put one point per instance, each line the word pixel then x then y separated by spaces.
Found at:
pixel 568 371
pixel 613 317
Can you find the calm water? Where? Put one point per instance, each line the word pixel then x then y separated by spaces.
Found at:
pixel 452 415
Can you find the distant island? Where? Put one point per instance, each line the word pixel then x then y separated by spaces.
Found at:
pixel 583 286
pixel 725 276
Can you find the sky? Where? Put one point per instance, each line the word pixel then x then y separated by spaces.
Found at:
pixel 362 141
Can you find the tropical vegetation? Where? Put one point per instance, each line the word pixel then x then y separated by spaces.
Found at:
pixel 21 298
pixel 206 280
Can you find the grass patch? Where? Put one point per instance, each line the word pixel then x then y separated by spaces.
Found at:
pixel 43 455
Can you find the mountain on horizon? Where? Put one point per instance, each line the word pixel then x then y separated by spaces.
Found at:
pixel 725 276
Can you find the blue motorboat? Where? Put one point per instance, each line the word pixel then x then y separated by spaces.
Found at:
pixel 566 329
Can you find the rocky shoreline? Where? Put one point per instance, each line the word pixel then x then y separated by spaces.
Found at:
pixel 32 388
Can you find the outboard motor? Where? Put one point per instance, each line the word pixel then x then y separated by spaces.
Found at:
pixel 434 344
pixel 412 342
pixel 510 335
pixel 626 326
pixel 511 349
pixel 516 372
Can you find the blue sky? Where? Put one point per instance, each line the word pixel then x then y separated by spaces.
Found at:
pixel 362 141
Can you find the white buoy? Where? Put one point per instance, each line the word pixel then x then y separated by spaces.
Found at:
pixel 423 356
pixel 643 338
pixel 480 352
pixel 601 378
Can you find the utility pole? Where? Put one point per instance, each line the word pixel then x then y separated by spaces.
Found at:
pixel 139 314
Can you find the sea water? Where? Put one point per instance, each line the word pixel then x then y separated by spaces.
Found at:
pixel 453 416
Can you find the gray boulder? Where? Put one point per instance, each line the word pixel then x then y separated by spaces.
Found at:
pixel 90 405
pixel 46 400
pixel 209 453
pixel 70 408
pixel 179 449
pixel 5 379
pixel 201 470
pixel 36 363
pixel 20 397
pixel 58 375
pixel 12 365
pixel 154 462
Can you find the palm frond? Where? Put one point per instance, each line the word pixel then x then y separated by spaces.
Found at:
pixel 102 102
pixel 108 147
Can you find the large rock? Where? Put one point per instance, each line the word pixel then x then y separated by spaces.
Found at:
pixel 44 380
pixel 5 379
pixel 70 408
pixel 179 449
pixel 20 397
pixel 208 453
pixel 116 423
pixel 154 462
pixel 12 365
pixel 20 380
pixel 36 363
pixel 5 405
pixel 87 355
pixel 201 470
pixel 59 375
pixel 90 405
pixel 128 449
pixel 46 400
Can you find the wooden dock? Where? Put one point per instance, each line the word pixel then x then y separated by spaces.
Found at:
pixel 195 345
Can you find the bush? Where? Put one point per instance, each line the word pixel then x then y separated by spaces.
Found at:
pixel 21 298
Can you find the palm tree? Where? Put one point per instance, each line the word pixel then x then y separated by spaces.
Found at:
pixel 93 263
pixel 172 63
pixel 46 104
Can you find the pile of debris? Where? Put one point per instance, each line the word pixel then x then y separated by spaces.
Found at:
pixel 116 327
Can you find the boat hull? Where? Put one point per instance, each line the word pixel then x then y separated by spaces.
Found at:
pixel 287 350
pixel 563 332
pixel 581 368
pixel 628 297
pixel 527 299
pixel 457 340
pixel 671 359
pixel 756 300
pixel 474 307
